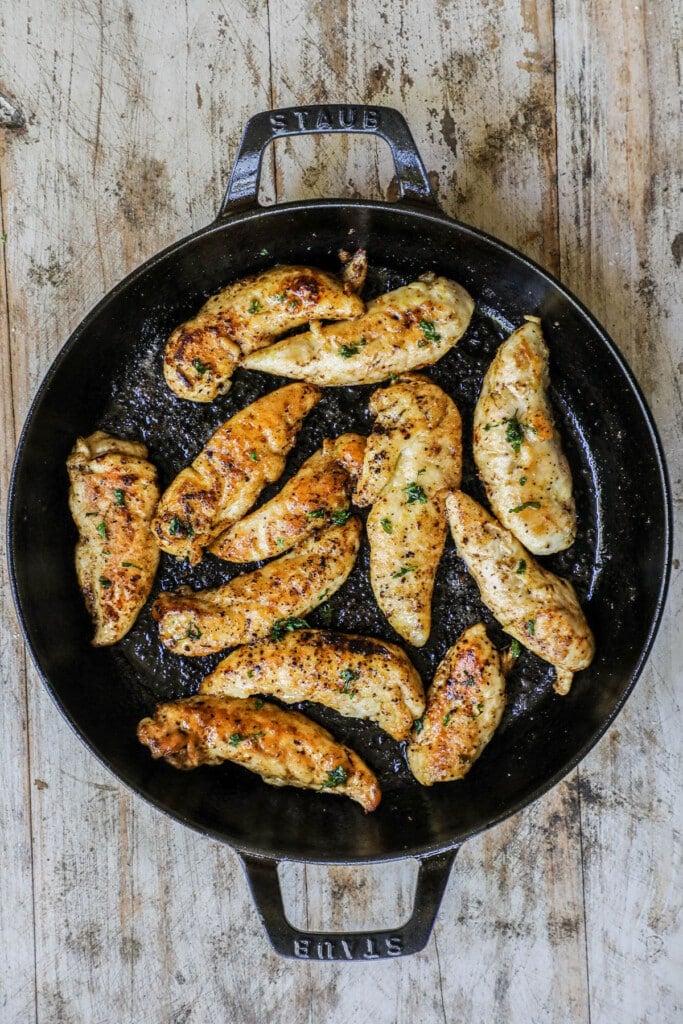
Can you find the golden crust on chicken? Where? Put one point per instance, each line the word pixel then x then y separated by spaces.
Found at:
pixel 226 478
pixel 358 676
pixel 465 704
pixel 202 353
pixel 284 747
pixel 113 494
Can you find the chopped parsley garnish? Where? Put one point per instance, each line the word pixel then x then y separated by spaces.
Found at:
pixel 521 567
pixel 429 330
pixel 178 527
pixel 193 633
pixel 468 681
pixel 414 492
pixel 102 529
pixel 522 481
pixel 282 626
pixel 403 571
pixel 349 676
pixel 119 496
pixel 131 565
pixel 3 238
pixel 104 582
pixel 280 543
pixel 447 717
pixel 325 613
pixel 478 711
pixel 293 305
pixel 346 351
pixel 250 674
pixel 387 525
pixel 317 513
pixel 526 504
pixel 531 627
pixel 281 297
pixel 258 704
pixel 200 367
pixel 515 648
pixel 514 433
pixel 254 456
pixel 337 777
pixel 418 725
pixel 254 306
pixel 340 516
pixel 263 252
pixel 236 738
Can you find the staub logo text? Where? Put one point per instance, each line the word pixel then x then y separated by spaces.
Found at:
pixel 367 948
pixel 326 119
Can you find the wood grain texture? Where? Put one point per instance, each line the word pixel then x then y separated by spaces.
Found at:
pixel 556 130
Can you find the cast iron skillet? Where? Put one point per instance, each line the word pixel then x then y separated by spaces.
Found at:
pixel 109 375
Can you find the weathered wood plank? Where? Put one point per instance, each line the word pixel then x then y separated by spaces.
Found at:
pixel 621 217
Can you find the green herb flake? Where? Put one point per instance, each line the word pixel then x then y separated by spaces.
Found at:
pixel 263 252
pixel 447 717
pixel 521 567
pixel 258 703
pixel 193 633
pixel 281 297
pixel 119 496
pixel 317 513
pixel 403 571
pixel 337 777
pixel 293 305
pixel 3 238
pixel 102 529
pixel 429 330
pixel 250 674
pixel 177 527
pixel 104 582
pixel 477 710
pixel 254 456
pixel 199 367
pixel 522 481
pixel 514 434
pixel 236 738
pixel 349 676
pixel 468 681
pixel 413 493
pixel 131 565
pixel 280 543
pixel 418 725
pixel 531 627
pixel 254 306
pixel 526 504
pixel 257 735
pixel 346 351
pixel 325 613
pixel 340 516
pixel 515 648
pixel 282 626
pixel 387 525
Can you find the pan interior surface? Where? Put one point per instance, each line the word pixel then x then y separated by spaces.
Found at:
pixel 113 363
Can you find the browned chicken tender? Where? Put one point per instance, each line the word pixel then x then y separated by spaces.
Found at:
pixel 248 607
pixel 358 676
pixel 226 478
pixel 202 354
pixel 317 495
pixel 534 606
pixel 113 494
pixel 412 456
pixel 465 704
pixel 284 747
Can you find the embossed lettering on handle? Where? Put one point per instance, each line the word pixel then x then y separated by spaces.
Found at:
pixel 385 122
pixel 434 871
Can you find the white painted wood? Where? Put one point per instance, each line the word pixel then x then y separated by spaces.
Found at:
pixel 570 912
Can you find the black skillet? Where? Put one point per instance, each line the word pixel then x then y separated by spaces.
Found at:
pixel 109 375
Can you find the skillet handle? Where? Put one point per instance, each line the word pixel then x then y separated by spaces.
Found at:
pixel 331 118
pixel 288 941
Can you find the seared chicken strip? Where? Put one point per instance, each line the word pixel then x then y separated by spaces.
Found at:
pixel 517 448
pixel 465 704
pixel 358 676
pixel 318 494
pixel 284 747
pixel 202 354
pixel 410 327
pixel 537 608
pixel 250 606
pixel 226 478
pixel 412 456
pixel 113 494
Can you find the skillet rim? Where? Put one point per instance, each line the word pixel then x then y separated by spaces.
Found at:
pixel 426 212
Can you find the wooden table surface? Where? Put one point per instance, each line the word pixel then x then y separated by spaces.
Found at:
pixel 554 124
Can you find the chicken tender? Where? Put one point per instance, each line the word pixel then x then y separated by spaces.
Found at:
pixel 517 448
pixel 358 676
pixel 248 608
pixel 226 478
pixel 465 704
pixel 412 456
pixel 410 327
pixel 537 608
pixel 318 494
pixel 113 494
pixel 284 747
pixel 202 354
